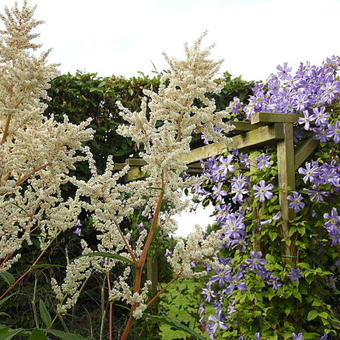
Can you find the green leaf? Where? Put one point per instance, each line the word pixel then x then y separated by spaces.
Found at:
pixel 316 302
pixel 7 277
pixel 44 313
pixel 273 235
pixel 45 265
pixel 4 314
pixel 324 315
pixel 304 265
pixel 176 324
pixel 109 255
pixel 7 333
pixel 38 334
pixel 312 315
pixel 65 335
pixel 270 258
pixel 5 299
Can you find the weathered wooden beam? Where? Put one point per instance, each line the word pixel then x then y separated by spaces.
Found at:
pixel 119 166
pixel 304 151
pixel 135 162
pixel 259 136
pixel 286 177
pixel 244 126
pixel 273 117
pixel 134 173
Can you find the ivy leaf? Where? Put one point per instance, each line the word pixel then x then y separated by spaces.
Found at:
pixel 176 324
pixel 312 315
pixel 273 235
pixel 44 313
pixel 270 258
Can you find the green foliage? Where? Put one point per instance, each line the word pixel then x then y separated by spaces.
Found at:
pixel 308 305
pixel 180 302
pixel 85 95
pixel 79 97
pixel 175 324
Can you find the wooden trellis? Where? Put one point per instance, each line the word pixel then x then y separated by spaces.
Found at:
pixel 263 129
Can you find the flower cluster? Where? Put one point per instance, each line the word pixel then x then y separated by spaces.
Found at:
pixel 242 188
pixel 311 87
pixel 36 153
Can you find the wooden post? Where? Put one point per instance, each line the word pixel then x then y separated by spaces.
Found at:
pixel 286 177
pixel 152 273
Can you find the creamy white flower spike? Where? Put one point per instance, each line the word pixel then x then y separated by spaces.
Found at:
pixel 34 150
pixel 40 152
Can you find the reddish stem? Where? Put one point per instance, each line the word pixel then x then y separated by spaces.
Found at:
pixel 110 306
pixel 28 271
pixel 142 260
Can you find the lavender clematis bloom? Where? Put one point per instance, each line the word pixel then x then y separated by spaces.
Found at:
pixel 321 135
pixel 218 192
pixel 306 119
pixel 284 71
pixel 320 116
pixel 333 131
pixel 214 325
pixel 263 191
pixel 295 274
pixel 208 293
pixel 296 201
pixel 332 225
pixel 78 232
pixel 263 161
pixel 310 172
pixel 239 190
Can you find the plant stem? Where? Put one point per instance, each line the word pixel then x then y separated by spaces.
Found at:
pixel 35 315
pixel 27 272
pixel 142 259
pixel 152 300
pixel 110 305
pixel 103 311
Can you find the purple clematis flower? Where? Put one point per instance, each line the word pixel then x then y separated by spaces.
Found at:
pixel 310 172
pixel 218 192
pixel 334 132
pixel 263 191
pixel 214 325
pixel 208 293
pixel 263 161
pixel 306 119
pixel 321 116
pixel 284 71
pixel 295 274
pixel 296 201
pixel 298 336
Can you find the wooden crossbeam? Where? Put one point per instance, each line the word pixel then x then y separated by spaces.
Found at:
pixel 304 151
pixel 260 136
pixel 273 117
pixel 244 126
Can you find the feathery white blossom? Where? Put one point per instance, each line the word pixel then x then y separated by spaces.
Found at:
pixel 34 150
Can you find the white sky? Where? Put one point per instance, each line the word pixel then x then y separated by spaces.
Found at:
pixel 123 37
